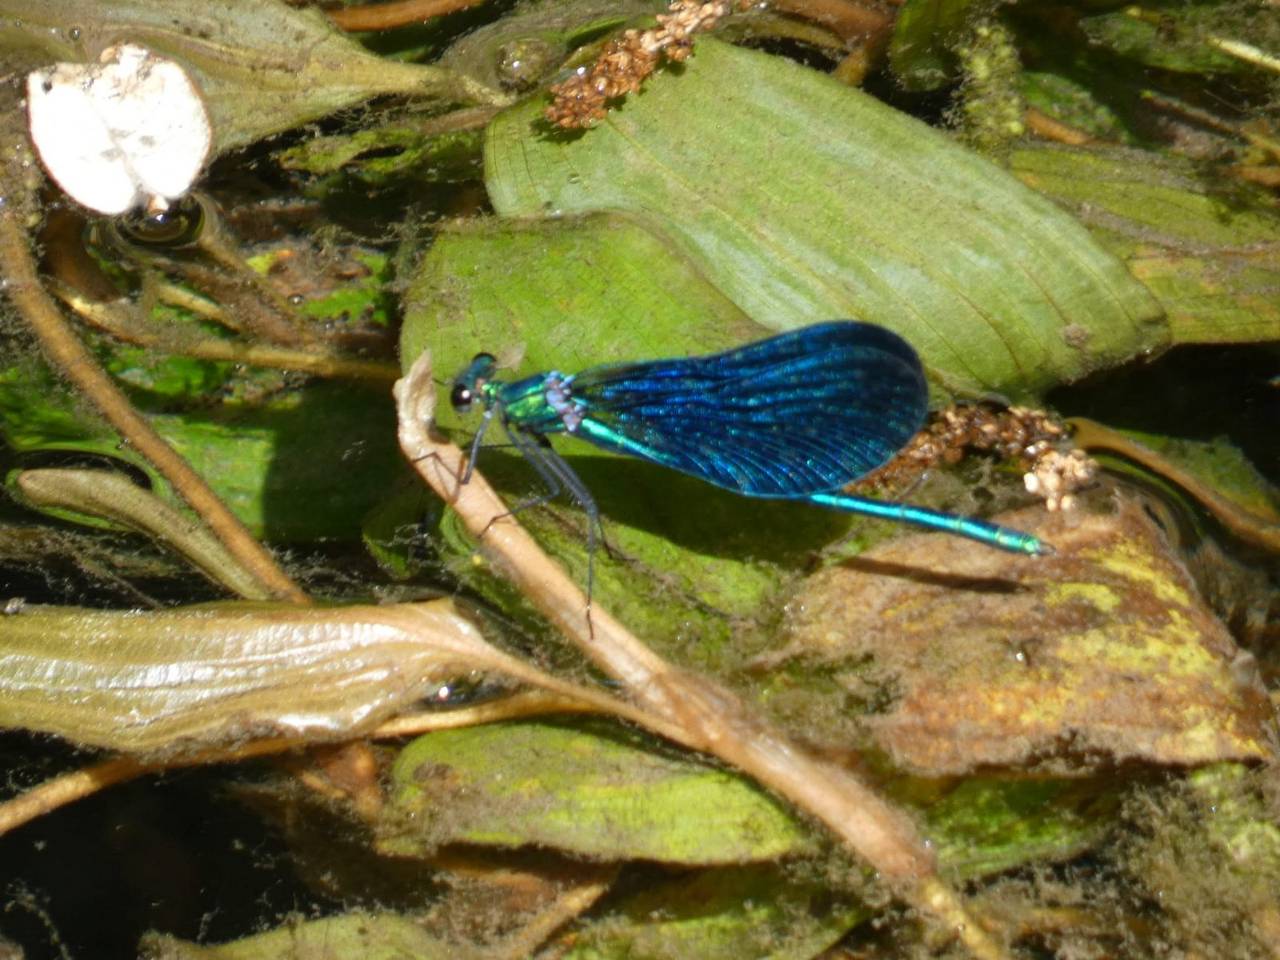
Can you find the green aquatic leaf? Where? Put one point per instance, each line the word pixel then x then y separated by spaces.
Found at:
pixel 562 294
pixel 1211 258
pixel 722 914
pixel 370 936
pixel 920 51
pixel 694 564
pixel 262 66
pixel 169 377
pixel 801 200
pixel 986 825
pixel 589 789
pixel 1079 98
pixel 978 827
pixel 395 151
pixel 300 466
pixel 306 466
pixel 1172 37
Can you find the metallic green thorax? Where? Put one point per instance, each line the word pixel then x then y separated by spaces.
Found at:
pixel 538 405
pixel 524 404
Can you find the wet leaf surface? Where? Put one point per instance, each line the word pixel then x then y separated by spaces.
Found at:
pixel 587 790
pixel 1212 261
pixel 162 683
pixel 801 200
pixel 374 936
pixel 1101 654
pixel 262 66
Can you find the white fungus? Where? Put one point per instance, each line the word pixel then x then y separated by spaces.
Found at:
pixel 128 131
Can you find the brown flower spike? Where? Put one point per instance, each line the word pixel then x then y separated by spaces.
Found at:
pixel 627 60
pixel 1030 437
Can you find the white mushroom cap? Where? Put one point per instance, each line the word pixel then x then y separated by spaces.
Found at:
pixel 131 130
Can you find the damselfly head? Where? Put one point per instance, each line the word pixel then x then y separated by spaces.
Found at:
pixel 469 383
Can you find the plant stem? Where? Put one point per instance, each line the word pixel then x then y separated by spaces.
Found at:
pixel 710 718
pixel 67 354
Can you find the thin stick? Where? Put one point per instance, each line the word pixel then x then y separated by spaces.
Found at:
pixel 69 787
pixel 1043 125
pixel 1247 526
pixel 1246 52
pixel 712 718
pixel 113 317
pixel 565 698
pixel 387 16
pixel 67 354
pixel 111 495
pixel 525 703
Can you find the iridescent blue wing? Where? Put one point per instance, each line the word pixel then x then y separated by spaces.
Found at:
pixel 799 413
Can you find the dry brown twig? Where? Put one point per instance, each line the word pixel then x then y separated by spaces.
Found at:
pixel 117 318
pixel 72 359
pixel 397 648
pixel 1262 532
pixel 399 13
pixel 709 717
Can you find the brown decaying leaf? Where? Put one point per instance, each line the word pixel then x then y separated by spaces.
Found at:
pixel 1102 653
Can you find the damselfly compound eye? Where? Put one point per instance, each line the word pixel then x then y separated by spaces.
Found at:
pixel 461 397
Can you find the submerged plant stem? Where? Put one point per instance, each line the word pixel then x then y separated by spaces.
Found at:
pixel 109 495
pixel 67 354
pixel 709 718
pixel 1247 526
pixel 112 318
pixel 178 688
pixel 387 16
pixel 67 788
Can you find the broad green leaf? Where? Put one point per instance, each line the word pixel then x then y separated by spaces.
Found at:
pixel 923 33
pixel 728 913
pixel 1211 259
pixel 304 465
pixel 1104 651
pixel 697 563
pixel 801 200
pixel 262 66
pixel 699 571
pixel 1173 37
pixel 979 827
pixel 589 789
pixel 369 936
pixel 562 294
